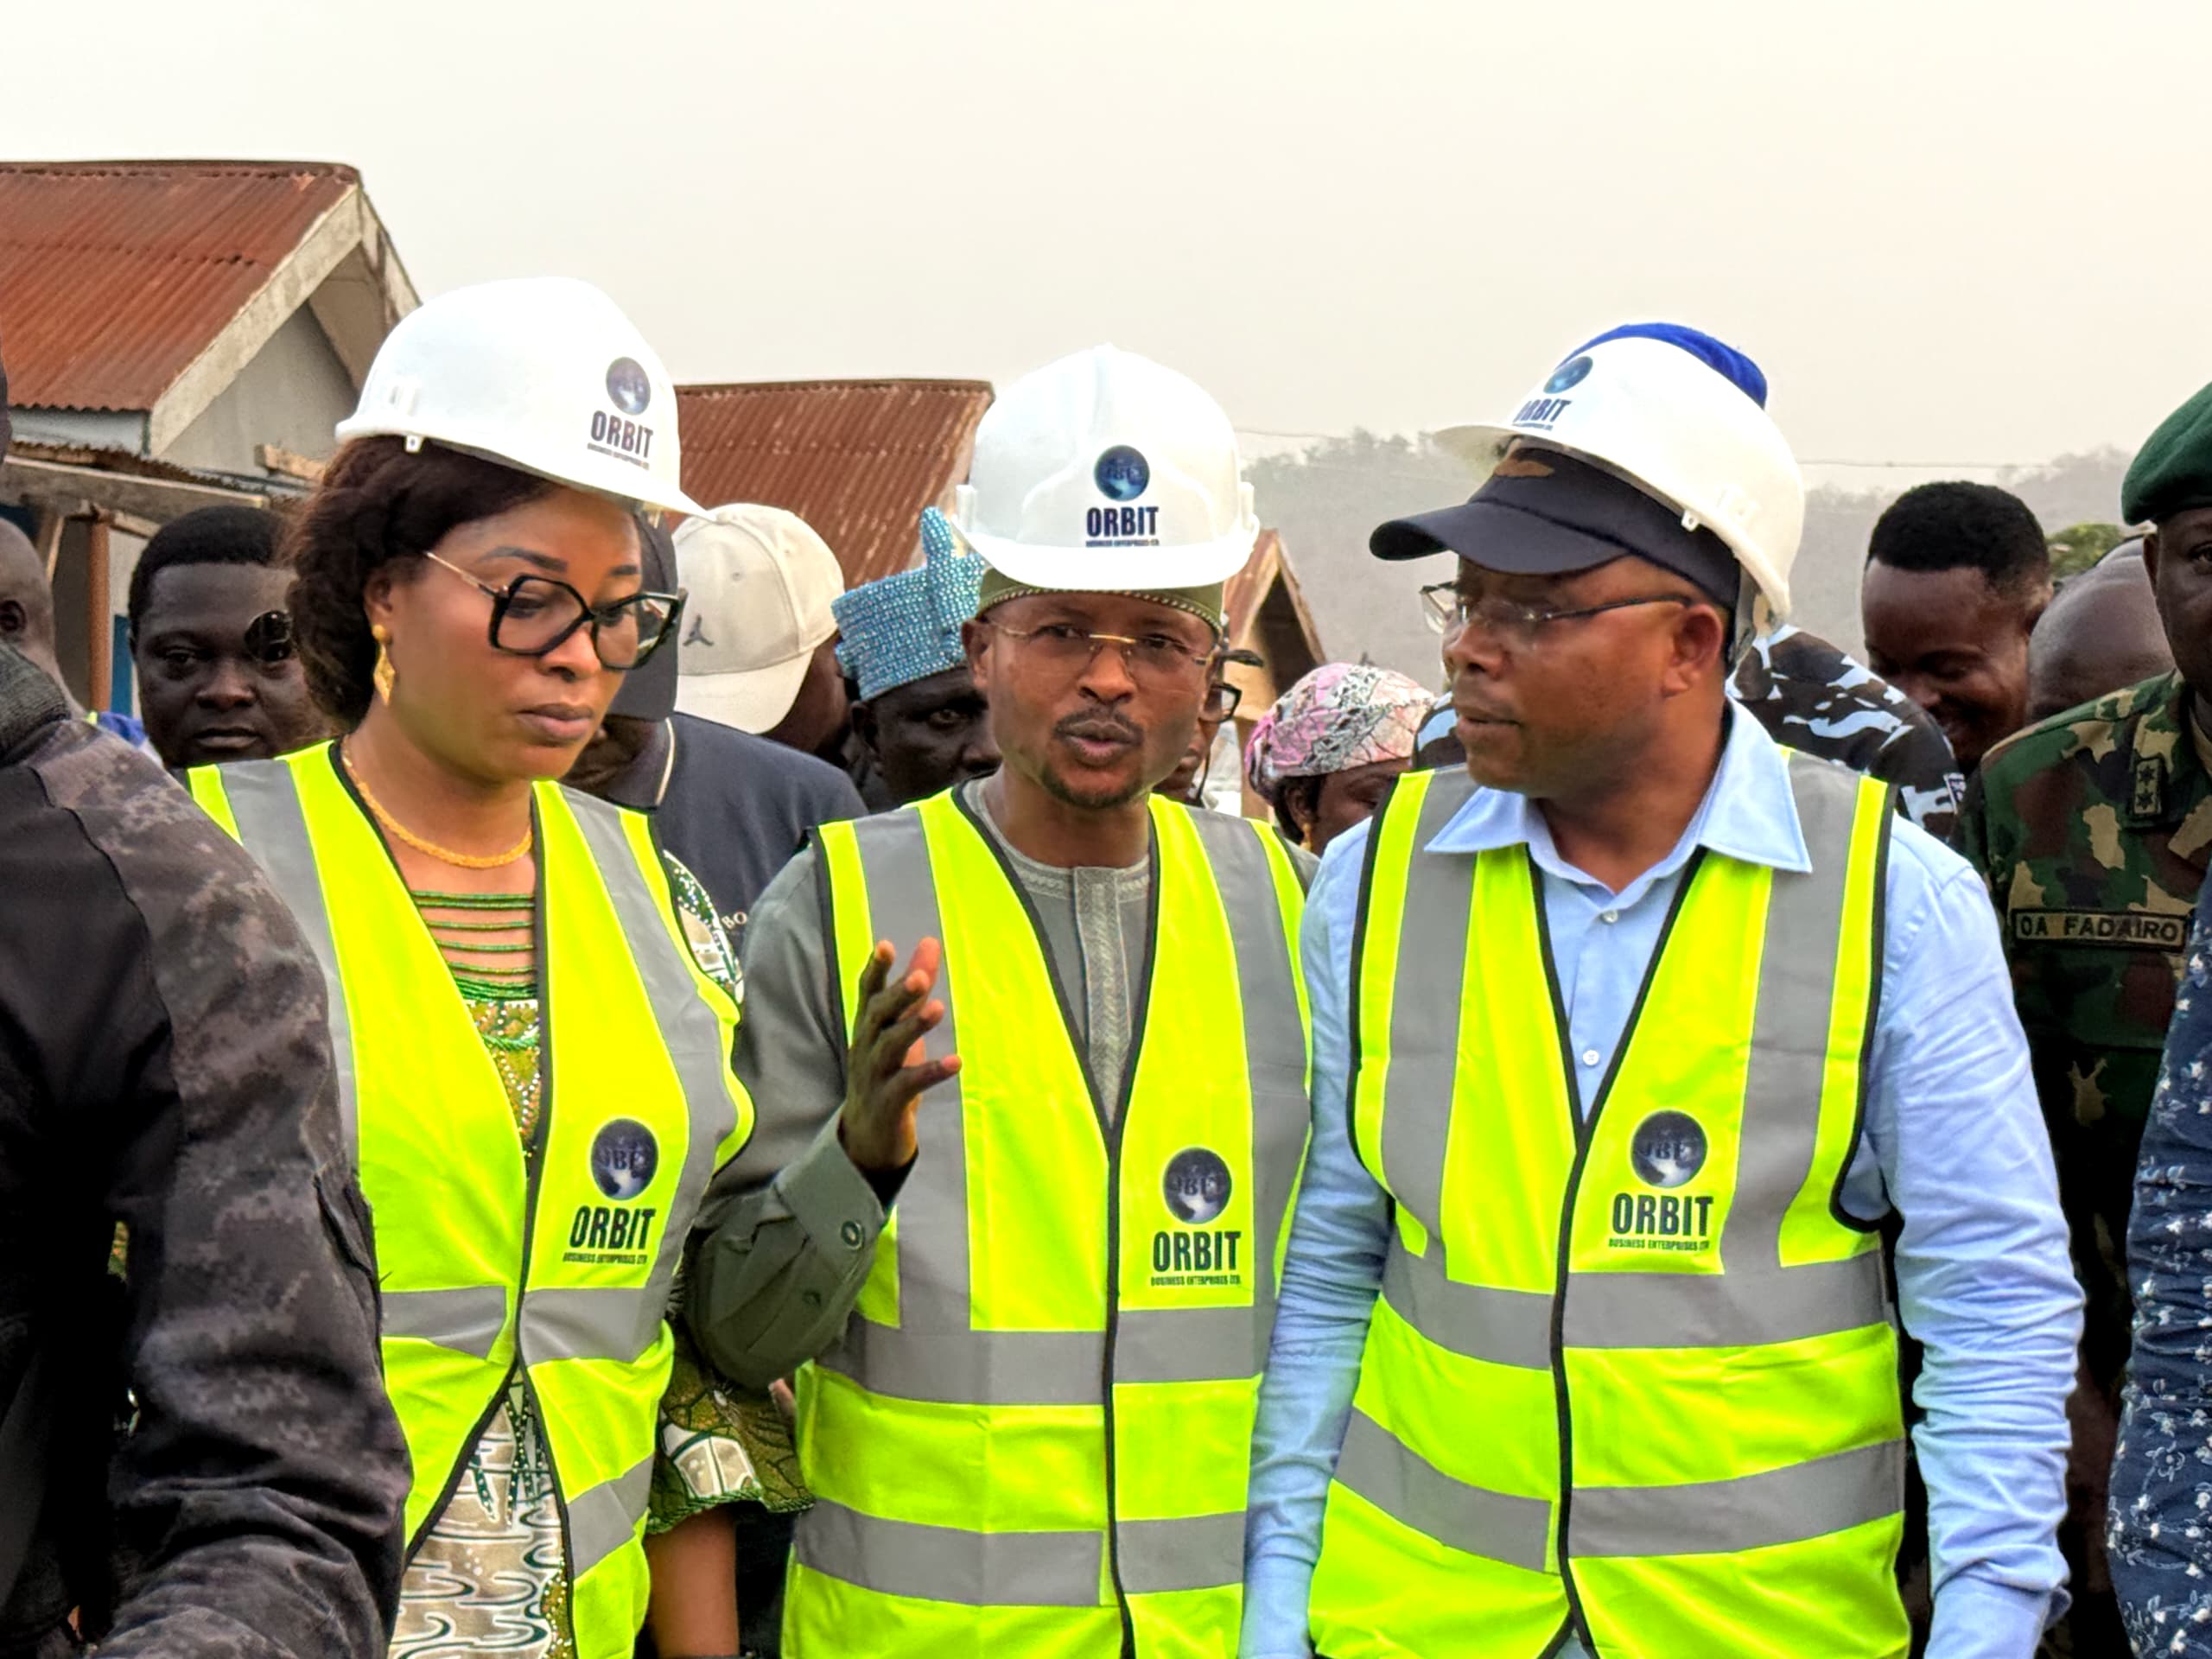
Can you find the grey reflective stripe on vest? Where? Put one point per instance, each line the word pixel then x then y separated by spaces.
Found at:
pixel 273 827
pixel 1712 1517
pixel 1507 1327
pixel 621 1323
pixel 931 1218
pixel 1043 1368
pixel 1275 1054
pixel 603 1518
pixel 1790 1025
pixel 1017 1569
pixel 1380 1468
pixel 1744 1308
pixel 468 1320
pixel 1197 1551
pixel 974 1569
pixel 1424 1027
pixel 1633 1310
pixel 1780 1506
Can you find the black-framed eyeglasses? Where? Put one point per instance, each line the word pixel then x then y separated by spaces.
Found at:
pixel 1063 648
pixel 1513 624
pixel 1224 699
pixel 532 615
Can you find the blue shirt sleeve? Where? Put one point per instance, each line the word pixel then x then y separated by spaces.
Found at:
pixel 2160 1525
pixel 1332 1274
pixel 1984 1279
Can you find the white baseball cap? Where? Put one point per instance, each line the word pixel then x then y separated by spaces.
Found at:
pixel 760 582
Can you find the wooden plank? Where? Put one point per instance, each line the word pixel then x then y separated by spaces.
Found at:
pixel 52 521
pixel 100 627
pixel 158 499
pixel 287 462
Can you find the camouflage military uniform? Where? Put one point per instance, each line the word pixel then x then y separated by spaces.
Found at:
pixel 2092 831
pixel 164 1063
pixel 1820 701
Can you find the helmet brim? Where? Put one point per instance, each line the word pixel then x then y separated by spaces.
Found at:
pixel 1118 569
pixel 617 482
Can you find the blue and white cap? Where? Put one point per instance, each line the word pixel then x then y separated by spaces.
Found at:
pixel 906 628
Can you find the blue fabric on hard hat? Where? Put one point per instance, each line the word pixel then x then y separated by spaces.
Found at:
pixel 1715 354
pixel 906 628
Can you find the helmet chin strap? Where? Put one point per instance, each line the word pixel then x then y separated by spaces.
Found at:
pixel 1754 616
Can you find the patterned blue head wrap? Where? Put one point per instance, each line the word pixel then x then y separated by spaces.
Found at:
pixel 906 628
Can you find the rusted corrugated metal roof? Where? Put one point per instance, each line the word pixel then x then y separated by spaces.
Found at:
pixel 858 459
pixel 114 275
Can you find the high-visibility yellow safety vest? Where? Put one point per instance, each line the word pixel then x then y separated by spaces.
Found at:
pixel 1633 1372
pixel 556 1265
pixel 1034 1436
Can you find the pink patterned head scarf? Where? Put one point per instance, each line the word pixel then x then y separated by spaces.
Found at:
pixel 1341 715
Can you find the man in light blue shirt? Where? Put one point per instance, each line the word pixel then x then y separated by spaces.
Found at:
pixel 1586 638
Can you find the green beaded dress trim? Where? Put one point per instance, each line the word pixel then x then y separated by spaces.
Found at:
pixel 501 997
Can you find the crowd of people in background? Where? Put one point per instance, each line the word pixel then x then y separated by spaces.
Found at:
pixel 849 966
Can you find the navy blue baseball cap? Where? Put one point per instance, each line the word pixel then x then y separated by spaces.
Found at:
pixel 648 691
pixel 1544 513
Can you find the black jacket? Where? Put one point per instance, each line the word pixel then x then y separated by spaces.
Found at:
pixel 164 1063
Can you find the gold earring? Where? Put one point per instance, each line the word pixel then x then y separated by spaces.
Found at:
pixel 382 674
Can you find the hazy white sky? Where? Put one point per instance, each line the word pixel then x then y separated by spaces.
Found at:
pixel 1950 230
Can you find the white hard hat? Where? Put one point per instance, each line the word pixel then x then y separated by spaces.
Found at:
pixel 1106 473
pixel 1680 431
pixel 759 584
pixel 544 373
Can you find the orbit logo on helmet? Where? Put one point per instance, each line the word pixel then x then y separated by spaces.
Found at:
pixel 629 386
pixel 1123 473
pixel 1568 375
pixel 631 389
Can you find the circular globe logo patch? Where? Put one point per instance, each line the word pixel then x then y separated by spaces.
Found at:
pixel 1196 1186
pixel 1121 474
pixel 1668 1149
pixel 629 386
pixel 1569 374
pixel 623 1159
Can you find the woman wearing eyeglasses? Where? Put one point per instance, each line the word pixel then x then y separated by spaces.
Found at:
pixel 531 1011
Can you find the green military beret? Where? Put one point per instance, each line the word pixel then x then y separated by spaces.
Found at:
pixel 2172 471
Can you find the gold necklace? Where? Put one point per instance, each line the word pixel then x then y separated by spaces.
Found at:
pixel 443 855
